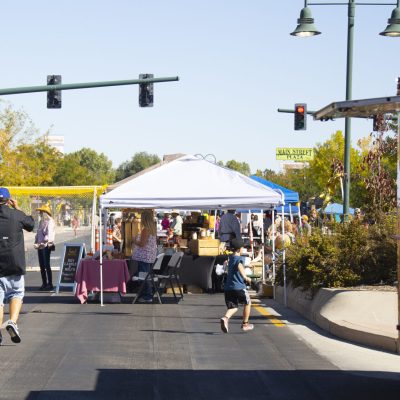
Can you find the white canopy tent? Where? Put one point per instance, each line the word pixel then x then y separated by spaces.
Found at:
pixel 189 183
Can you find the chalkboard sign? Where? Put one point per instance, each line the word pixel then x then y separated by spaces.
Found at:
pixel 72 255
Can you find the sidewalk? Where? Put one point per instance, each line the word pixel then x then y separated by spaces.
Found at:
pixel 367 317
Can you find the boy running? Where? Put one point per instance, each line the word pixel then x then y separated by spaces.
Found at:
pixel 235 289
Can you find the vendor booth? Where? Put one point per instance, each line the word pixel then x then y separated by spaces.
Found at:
pixel 291 197
pixel 189 183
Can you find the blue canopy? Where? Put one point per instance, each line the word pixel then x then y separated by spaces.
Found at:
pixel 294 209
pixel 290 195
pixel 335 208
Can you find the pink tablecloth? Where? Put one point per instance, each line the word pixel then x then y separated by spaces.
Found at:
pixel 115 276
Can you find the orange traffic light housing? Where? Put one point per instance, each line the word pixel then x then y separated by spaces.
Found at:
pixel 300 117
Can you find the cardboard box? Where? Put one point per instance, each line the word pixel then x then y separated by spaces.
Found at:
pixel 205 247
pixel 267 291
pixel 193 289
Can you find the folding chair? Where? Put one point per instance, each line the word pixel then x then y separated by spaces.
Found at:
pixel 149 276
pixel 172 274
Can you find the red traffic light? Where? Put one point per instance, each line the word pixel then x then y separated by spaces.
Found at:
pixel 300 116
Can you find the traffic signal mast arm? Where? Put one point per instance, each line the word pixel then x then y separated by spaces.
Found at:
pixel 85 85
pixel 285 110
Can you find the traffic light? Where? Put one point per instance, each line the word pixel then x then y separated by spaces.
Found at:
pixel 54 96
pixel 300 117
pixel 146 91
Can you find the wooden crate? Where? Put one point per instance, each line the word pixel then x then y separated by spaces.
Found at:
pixel 205 247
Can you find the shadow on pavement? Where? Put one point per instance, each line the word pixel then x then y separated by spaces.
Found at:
pixel 238 384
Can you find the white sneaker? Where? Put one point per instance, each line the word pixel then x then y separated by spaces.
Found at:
pixel 247 327
pixel 224 324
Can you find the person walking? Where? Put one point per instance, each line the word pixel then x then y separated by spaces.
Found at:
pixel 145 251
pixel 75 224
pixel 44 243
pixel 235 289
pixel 12 260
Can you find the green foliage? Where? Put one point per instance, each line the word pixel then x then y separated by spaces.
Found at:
pixel 36 164
pixel 241 167
pixel 314 262
pixel 84 167
pixel 138 162
pixel 355 254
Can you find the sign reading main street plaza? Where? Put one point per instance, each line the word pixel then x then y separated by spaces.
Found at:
pixel 294 154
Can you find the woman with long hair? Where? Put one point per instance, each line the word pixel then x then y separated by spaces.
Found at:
pixel 145 252
pixel 44 243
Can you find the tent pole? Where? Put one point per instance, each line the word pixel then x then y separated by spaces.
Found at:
pixel 284 257
pixel 92 243
pixel 251 235
pixel 101 259
pixel 215 223
pixel 290 213
pixel 299 212
pixel 262 247
pixel 273 251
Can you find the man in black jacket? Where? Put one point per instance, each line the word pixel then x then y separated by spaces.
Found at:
pixel 12 260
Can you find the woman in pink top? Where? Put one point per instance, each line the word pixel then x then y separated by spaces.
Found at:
pixel 145 252
pixel 165 222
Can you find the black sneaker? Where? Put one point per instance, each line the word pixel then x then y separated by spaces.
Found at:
pixel 12 330
pixel 49 287
pixel 43 287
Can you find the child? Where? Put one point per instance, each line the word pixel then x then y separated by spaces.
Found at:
pixel 235 289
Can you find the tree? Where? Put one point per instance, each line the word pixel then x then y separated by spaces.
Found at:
pixel 36 163
pixel 323 170
pixel 380 185
pixel 138 162
pixel 26 159
pixel 242 167
pixel 84 167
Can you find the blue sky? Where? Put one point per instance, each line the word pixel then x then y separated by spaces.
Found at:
pixel 235 59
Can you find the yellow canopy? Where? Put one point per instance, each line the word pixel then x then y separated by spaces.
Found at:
pixel 55 190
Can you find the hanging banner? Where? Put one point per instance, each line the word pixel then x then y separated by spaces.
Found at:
pixel 294 154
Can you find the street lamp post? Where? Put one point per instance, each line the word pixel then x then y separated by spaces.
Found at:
pixel 306 28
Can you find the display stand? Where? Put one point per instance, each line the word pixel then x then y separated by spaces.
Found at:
pixel 72 254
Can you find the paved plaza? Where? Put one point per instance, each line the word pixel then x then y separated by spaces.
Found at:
pixel 177 351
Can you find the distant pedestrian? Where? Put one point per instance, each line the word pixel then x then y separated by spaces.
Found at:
pixel 236 290
pixel 44 243
pixel 305 226
pixel 12 260
pixel 165 222
pixel 75 224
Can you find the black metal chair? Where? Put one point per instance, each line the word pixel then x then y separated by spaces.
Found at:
pixel 150 277
pixel 171 275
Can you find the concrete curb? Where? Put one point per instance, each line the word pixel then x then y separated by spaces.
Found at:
pixel 35 269
pixel 366 317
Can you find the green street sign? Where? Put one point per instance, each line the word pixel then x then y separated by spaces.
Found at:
pixel 294 154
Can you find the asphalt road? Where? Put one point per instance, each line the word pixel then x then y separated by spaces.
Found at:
pixel 177 351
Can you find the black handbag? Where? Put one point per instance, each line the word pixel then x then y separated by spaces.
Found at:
pixel 52 247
